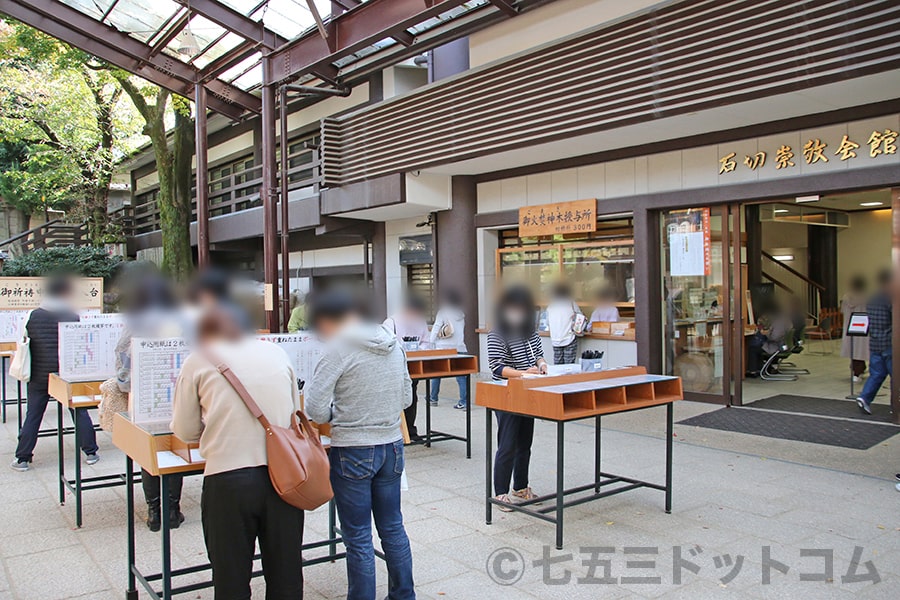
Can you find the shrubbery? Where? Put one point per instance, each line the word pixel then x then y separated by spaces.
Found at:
pixel 85 261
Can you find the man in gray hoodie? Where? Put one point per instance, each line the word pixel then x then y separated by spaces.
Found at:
pixel 361 386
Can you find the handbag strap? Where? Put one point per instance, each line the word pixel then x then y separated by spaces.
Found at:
pixel 229 375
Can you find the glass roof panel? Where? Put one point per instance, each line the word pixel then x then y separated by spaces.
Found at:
pixel 250 79
pixel 140 18
pixel 239 69
pixel 231 40
pixel 290 18
pixel 93 8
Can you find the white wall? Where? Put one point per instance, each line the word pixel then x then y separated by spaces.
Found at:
pixel 865 247
pixel 692 168
pixel 431 190
pixel 787 238
pixel 327 257
pixel 545 24
pixel 328 107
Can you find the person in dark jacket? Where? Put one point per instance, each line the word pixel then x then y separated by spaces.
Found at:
pixel 43 330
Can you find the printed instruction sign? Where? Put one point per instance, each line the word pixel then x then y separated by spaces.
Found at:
pixel 155 366
pixel 87 351
pixel 26 293
pixel 304 350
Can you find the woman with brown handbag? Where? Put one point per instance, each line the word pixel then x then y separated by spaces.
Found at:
pixel 239 504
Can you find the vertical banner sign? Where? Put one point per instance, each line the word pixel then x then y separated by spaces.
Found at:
pixel 690 243
pixel 155 366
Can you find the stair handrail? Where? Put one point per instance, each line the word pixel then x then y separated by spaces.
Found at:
pixel 28 232
pixel 793 271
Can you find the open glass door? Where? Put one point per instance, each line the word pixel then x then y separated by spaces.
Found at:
pixel 697 300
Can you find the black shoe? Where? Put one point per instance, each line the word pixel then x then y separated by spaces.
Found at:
pixel 176 517
pixel 154 516
pixel 897 476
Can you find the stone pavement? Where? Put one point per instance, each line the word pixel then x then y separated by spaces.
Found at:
pixel 733 501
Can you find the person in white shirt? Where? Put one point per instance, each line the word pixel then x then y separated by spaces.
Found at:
pixel 561 315
pixel 409 324
pixel 449 333
pixel 606 310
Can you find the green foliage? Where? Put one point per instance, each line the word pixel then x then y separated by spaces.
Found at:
pixel 86 261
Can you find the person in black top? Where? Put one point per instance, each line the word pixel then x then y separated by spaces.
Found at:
pixel 514 350
pixel 43 331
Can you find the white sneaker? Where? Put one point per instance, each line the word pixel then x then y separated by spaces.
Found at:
pixel 92 459
pixel 857 379
pixel 897 487
pixel 863 406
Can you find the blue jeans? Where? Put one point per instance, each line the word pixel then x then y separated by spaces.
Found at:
pixel 880 366
pixel 366 482
pixel 436 389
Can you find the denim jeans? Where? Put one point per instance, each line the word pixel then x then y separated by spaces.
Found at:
pixel 366 483
pixel 38 398
pixel 880 365
pixel 436 390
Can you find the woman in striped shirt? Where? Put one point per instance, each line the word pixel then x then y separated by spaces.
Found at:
pixel 514 349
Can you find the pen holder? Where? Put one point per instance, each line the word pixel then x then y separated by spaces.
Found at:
pixel 591 364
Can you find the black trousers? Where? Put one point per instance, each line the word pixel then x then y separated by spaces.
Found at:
pixel 151 485
pixel 514 437
pixel 410 413
pixel 240 507
pixel 38 398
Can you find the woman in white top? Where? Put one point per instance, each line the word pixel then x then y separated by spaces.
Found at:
pixel 449 333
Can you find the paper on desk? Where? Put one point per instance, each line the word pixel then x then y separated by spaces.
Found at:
pixel 85 399
pixel 168 459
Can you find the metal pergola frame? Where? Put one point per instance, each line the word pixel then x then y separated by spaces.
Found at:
pixel 353 25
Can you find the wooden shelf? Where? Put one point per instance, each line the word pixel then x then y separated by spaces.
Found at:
pixel 427 364
pixel 579 395
pixel 146 448
pixel 63 391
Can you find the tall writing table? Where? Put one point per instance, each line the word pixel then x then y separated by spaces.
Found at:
pixel 564 398
pixel 441 364
pixel 78 395
pixel 155 448
pixel 7 351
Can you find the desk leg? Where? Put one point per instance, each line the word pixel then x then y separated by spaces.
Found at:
pixel 670 431
pixel 427 413
pixel 77 454
pixel 131 591
pixel 560 482
pixel 488 462
pixel 597 431
pixel 332 529
pixel 3 384
pixel 468 416
pixel 19 392
pixel 60 453
pixel 166 537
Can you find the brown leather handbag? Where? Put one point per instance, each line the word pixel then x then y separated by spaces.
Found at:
pixel 298 464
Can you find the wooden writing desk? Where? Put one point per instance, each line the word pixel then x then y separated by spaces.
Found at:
pixel 442 364
pixel 156 449
pixel 565 398
pixel 78 395
pixel 7 351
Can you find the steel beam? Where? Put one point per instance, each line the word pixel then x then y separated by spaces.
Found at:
pixel 269 194
pixel 233 21
pixel 350 32
pixel 506 6
pixel 77 29
pixel 202 146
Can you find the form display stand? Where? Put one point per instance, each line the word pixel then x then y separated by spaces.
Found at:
pixel 442 364
pixel 155 448
pixel 79 395
pixel 564 398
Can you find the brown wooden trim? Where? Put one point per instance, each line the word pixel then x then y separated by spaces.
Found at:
pixel 895 384
pixel 329 271
pixel 843 115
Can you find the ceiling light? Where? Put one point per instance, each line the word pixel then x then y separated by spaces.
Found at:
pixel 188 46
pixel 804 199
pixel 781 211
pixel 783 257
pixel 867 204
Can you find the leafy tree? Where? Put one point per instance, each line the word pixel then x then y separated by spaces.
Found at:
pixel 173 166
pixel 63 127
pixel 87 261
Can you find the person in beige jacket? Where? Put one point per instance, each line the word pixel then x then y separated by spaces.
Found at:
pixel 239 505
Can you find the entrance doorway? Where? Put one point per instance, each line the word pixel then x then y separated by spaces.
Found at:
pixel 817 259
